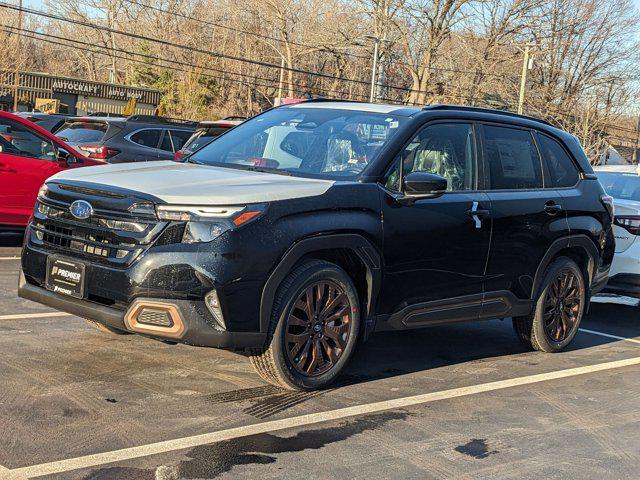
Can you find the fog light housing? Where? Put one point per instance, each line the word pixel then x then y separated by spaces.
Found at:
pixel 212 302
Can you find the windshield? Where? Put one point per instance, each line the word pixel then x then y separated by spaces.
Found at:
pixel 328 143
pixel 81 132
pixel 625 186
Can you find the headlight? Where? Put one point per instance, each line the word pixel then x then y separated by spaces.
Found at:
pixel 42 193
pixel 208 223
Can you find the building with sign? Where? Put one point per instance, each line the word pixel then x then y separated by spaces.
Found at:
pixel 74 96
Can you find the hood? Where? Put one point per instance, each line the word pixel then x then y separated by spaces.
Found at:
pixel 191 184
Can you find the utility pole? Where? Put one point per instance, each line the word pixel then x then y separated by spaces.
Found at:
pixel 374 68
pixel 16 71
pixel 634 156
pixel 281 81
pixel 526 65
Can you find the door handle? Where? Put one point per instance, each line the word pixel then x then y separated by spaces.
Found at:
pixel 552 208
pixel 8 170
pixel 477 214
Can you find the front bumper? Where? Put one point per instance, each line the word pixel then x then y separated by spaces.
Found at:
pixel 197 330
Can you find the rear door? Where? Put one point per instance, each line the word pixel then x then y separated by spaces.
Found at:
pixel 27 159
pixel 528 214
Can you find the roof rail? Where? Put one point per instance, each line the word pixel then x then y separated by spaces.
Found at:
pixel 159 119
pixel 235 117
pixel 495 111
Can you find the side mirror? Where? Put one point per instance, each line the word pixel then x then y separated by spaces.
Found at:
pixel 64 157
pixel 423 185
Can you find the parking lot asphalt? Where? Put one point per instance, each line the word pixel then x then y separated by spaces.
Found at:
pixel 463 401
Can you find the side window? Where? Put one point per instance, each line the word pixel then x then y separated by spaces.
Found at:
pixel 179 138
pixel 562 171
pixel 147 138
pixel 16 139
pixel 447 150
pixel 513 159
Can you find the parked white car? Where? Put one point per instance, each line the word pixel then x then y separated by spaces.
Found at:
pixel 622 182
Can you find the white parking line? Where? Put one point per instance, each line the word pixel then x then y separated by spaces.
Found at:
pixel 608 335
pixel 6 474
pixel 9 258
pixel 305 420
pixel 20 316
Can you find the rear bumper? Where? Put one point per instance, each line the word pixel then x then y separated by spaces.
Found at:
pixel 195 331
pixel 627 284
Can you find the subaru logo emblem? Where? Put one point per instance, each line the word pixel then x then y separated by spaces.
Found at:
pixel 81 209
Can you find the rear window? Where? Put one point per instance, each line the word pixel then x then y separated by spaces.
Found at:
pixel 625 186
pixel 82 132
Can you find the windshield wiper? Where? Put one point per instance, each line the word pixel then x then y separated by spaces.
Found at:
pixel 268 170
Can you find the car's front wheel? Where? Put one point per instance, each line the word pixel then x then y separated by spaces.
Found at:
pixel 314 328
pixel 558 310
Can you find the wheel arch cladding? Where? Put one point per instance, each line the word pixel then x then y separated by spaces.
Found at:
pixel 349 251
pixel 579 248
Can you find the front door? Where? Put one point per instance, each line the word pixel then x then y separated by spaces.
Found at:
pixel 435 249
pixel 26 161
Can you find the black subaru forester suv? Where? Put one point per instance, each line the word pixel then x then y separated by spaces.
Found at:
pixel 304 230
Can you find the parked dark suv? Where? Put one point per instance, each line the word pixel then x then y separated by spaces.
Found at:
pixel 127 139
pixel 312 225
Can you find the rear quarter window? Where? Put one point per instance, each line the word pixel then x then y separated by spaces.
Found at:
pixel 562 170
pixel 147 138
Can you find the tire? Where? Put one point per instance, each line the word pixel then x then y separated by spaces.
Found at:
pixel 558 310
pixel 105 329
pixel 330 345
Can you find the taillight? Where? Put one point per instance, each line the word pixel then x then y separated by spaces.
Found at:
pixel 630 223
pixel 99 151
pixel 607 201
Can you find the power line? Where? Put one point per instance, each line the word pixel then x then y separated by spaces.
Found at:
pixel 193 49
pixel 233 29
pixel 156 58
pixel 139 3
pixel 32 11
pixel 10 29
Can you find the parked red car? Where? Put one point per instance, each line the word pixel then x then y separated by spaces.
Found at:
pixel 28 156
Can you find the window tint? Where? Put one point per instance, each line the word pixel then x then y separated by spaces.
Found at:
pixel 179 138
pixel 444 149
pixel 562 171
pixel 16 139
pixel 513 159
pixel 147 138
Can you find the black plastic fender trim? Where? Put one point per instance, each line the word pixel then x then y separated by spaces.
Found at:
pixel 362 247
pixel 571 241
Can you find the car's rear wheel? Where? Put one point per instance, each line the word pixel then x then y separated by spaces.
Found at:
pixel 558 310
pixel 105 329
pixel 314 328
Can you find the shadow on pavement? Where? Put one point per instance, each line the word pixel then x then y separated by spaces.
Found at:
pixel 11 239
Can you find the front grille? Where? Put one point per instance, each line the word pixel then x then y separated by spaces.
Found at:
pixel 108 236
